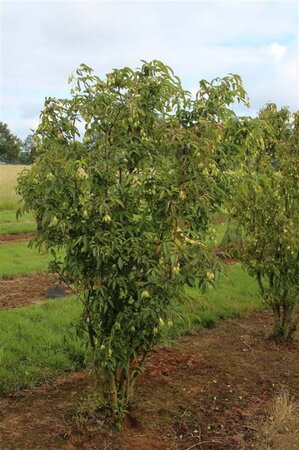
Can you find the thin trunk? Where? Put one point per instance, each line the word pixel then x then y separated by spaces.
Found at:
pixel 284 324
pixel 113 393
pixel 287 320
pixel 277 321
pixel 260 283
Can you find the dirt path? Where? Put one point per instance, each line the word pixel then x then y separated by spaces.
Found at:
pixel 13 238
pixel 25 290
pixel 211 391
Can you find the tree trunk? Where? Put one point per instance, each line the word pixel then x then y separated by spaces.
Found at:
pixel 284 323
pixel 113 394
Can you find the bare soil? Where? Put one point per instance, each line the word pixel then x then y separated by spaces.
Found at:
pixel 220 218
pixel 22 291
pixel 212 390
pixel 13 238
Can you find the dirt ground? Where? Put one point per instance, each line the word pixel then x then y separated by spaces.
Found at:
pixel 19 291
pixel 22 291
pixel 212 390
pixel 13 238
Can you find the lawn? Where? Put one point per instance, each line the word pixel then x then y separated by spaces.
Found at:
pixel 19 259
pixel 35 346
pixel 10 225
pixel 235 294
pixel 38 344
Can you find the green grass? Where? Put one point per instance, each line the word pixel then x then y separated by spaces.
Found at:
pixel 37 342
pixel 10 225
pixel 235 294
pixel 9 203
pixel 35 346
pixel 19 259
pixel 220 229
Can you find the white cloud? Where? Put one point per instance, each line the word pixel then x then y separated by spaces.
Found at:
pixel 43 42
pixel 277 51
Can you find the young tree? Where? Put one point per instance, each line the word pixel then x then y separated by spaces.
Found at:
pixel 130 203
pixel 10 145
pixel 266 208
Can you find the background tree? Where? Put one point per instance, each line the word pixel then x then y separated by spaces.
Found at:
pixel 265 206
pixel 244 133
pixel 10 145
pixel 28 153
pixel 130 204
pixel 278 124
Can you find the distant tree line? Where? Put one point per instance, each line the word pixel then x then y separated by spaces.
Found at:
pixel 13 150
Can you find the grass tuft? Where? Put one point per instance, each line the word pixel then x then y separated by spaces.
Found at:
pixel 280 431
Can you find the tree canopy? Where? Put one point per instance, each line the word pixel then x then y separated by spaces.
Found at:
pixel 10 145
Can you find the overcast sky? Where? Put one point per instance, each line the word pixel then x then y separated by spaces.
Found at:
pixel 42 42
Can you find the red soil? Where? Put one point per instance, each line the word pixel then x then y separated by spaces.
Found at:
pixel 211 391
pixel 13 238
pixel 25 290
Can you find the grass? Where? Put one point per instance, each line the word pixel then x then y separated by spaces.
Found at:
pixel 8 180
pixel 19 259
pixel 235 294
pixel 38 344
pixel 219 230
pixel 10 225
pixel 35 346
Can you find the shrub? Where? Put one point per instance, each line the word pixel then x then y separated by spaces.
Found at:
pixel 130 203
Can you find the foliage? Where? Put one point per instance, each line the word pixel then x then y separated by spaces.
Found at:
pixel 266 208
pixel 130 203
pixel 10 145
pixel 279 126
pixel 28 153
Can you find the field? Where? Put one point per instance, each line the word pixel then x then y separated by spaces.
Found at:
pixel 217 382
pixel 8 174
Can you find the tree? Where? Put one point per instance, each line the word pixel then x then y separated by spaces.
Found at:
pixel 130 203
pixel 265 206
pixel 243 133
pixel 278 125
pixel 28 153
pixel 10 145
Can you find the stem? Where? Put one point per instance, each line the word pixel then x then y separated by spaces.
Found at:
pixel 113 393
pixel 106 161
pixel 260 282
pixel 277 314
pixel 271 280
pixel 90 330
pixel 287 319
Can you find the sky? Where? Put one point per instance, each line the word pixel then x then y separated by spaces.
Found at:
pixel 43 42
